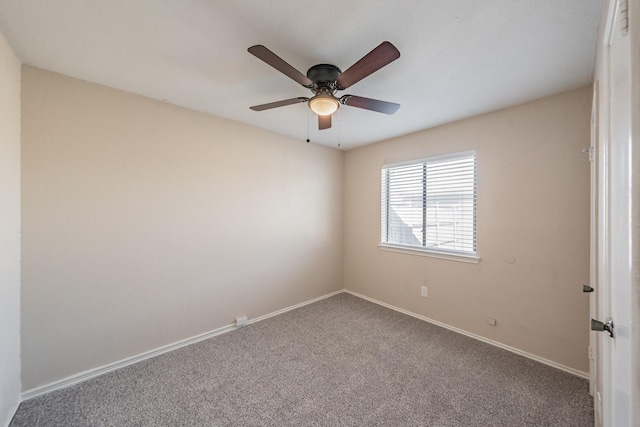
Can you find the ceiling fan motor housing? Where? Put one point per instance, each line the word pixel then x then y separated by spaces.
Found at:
pixel 323 76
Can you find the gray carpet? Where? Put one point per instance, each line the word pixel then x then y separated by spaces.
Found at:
pixel 342 361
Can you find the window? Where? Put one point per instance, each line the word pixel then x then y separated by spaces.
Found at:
pixel 430 205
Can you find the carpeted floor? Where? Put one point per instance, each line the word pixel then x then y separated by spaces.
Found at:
pixel 342 361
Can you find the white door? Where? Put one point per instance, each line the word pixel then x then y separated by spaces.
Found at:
pixel 617 384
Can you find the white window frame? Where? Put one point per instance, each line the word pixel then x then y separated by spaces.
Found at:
pixel 464 256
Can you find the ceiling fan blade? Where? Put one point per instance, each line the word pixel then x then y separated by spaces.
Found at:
pixel 278 104
pixel 324 122
pixel 279 64
pixel 382 55
pixel 370 104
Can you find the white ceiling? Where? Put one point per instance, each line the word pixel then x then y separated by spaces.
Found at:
pixel 459 58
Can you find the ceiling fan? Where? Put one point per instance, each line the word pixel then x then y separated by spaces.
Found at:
pixel 324 80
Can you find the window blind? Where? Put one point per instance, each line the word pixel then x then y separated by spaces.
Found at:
pixel 430 204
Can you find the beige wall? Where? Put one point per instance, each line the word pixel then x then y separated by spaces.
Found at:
pixel 9 231
pixel 533 204
pixel 145 224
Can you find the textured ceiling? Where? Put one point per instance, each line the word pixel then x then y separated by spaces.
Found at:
pixel 459 58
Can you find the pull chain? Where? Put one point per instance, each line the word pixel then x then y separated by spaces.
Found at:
pixel 308 119
pixel 339 126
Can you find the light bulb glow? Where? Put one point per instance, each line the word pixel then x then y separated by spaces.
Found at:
pixel 324 105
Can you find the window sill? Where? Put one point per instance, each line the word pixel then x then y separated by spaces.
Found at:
pixel 473 259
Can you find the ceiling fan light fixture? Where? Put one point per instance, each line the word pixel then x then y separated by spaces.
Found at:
pixel 324 104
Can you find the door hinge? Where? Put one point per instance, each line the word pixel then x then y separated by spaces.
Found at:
pixel 623 10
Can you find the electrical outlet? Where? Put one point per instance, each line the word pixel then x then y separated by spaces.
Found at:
pixel 423 291
pixel 241 321
pixel 491 321
pixel 590 353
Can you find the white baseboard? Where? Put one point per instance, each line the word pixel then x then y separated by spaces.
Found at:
pixel 92 373
pixel 293 307
pixel 95 372
pixel 11 414
pixel 477 337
